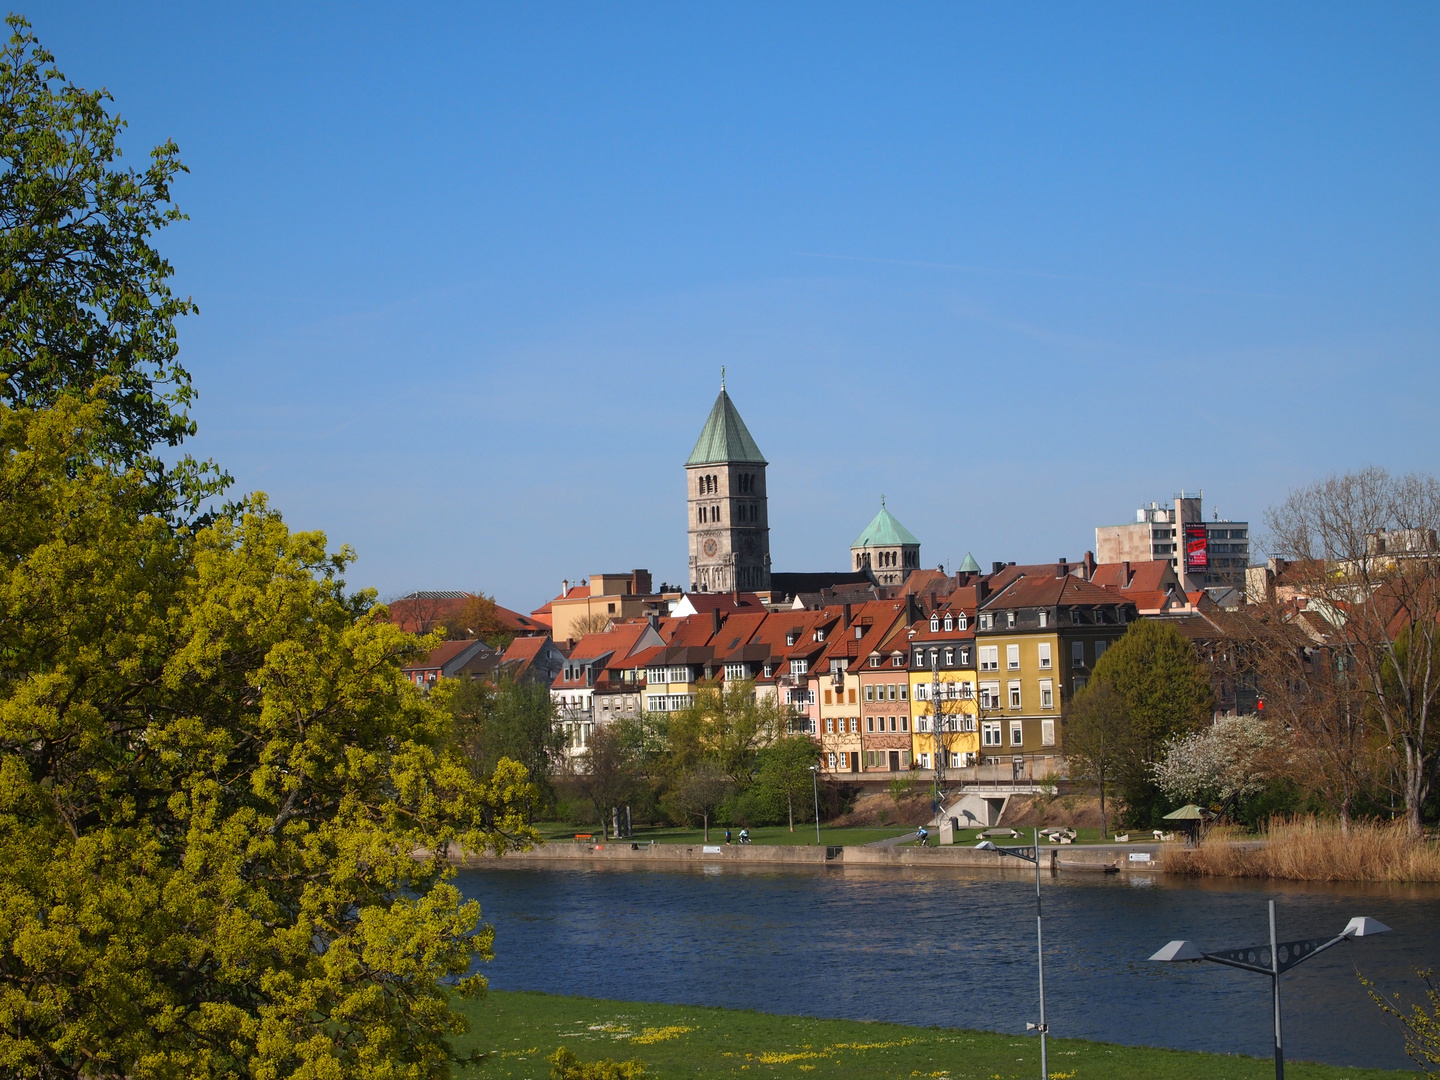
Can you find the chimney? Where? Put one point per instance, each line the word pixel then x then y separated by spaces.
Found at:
pixel 1089 566
pixel 641 583
pixel 996 567
pixel 1126 575
pixel 1062 568
pixel 715 621
pixel 912 609
pixel 565 587
pixel 654 621
pixel 845 616
pixel 982 592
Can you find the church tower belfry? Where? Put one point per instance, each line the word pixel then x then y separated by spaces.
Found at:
pixel 729 523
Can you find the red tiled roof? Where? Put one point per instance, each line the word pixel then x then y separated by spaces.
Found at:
pixel 1147 576
pixel 440 656
pixel 1050 590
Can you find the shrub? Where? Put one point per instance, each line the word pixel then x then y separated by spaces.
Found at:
pixel 566 1066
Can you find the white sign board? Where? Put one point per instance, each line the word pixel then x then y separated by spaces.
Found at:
pixel 1139 856
pixel 707 850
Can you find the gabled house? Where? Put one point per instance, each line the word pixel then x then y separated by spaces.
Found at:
pixel 453 660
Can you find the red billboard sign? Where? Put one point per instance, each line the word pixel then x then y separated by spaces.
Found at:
pixel 1197 553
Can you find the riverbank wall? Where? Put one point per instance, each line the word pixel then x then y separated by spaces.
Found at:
pixel 1098 858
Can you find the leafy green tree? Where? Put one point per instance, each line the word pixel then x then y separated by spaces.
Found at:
pixel 727 726
pixel 1099 739
pixel 701 791
pixel 609 773
pixel 85 300
pixel 1166 692
pixel 214 781
pixel 506 721
pixel 784 774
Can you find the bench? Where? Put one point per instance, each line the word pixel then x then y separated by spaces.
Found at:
pixel 998 832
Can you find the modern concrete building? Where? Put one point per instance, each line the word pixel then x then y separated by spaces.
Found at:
pixel 1204 554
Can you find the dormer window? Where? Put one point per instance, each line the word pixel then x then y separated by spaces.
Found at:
pixel 769 670
pixel 819 635
pixel 919 658
pixel 859 632
pixel 987 621
pixel 874 661
pixel 961 622
pixel 1009 618
pixel 934 623
pixel 1075 616
pixel 949 623
pixel 898 660
pixel 790 637
pixel 1044 619
pixel 949 657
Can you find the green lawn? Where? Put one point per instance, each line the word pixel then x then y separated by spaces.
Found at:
pixel 519 1030
pixel 805 834
pixel 769 834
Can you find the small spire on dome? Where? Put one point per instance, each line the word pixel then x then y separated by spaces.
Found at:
pixel 722 376
pixel 882 502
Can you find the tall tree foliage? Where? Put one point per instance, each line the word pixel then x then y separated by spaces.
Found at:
pixel 1165 692
pixel 213 778
pixel 507 720
pixel 1362 550
pixel 85 299
pixel 216 787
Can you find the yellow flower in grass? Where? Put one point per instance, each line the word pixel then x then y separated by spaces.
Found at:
pixel 773 1057
pixel 650 1035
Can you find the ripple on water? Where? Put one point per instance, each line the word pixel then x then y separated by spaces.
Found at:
pixel 921 947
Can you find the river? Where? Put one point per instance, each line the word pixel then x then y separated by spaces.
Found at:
pixel 942 947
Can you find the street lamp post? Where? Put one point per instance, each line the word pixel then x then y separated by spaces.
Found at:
pixel 1273 960
pixel 1030 855
pixel 815 783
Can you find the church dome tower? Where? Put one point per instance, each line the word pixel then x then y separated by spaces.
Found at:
pixel 729 523
pixel 886 548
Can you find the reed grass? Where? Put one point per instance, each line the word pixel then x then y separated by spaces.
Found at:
pixel 1305 849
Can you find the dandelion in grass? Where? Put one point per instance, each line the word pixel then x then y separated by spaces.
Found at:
pixel 650 1036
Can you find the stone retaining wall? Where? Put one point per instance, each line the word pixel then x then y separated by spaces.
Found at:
pixel 1070 858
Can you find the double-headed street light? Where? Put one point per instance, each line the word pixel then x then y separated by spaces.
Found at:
pixel 1032 855
pixel 1273 960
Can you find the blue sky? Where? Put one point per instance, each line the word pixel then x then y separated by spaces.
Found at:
pixel 467 274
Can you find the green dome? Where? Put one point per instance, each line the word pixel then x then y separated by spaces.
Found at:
pixel 725 437
pixel 969 566
pixel 885 531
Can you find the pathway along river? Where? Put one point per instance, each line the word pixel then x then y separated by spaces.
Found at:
pixel 937 947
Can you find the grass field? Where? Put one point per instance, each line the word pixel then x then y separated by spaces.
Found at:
pixel 520 1030
pixel 770 834
pixel 803 834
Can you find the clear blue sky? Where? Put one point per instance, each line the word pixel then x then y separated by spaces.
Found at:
pixel 467 274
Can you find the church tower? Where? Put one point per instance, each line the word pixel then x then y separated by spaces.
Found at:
pixel 729 524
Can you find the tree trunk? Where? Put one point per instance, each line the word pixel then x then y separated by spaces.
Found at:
pixel 706 819
pixel 1345 816
pixel 790 805
pixel 1104 832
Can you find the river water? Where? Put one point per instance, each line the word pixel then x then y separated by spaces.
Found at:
pixel 943 947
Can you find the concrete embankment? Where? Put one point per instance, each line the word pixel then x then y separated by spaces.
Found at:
pixel 1126 858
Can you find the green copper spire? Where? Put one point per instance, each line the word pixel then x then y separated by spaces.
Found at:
pixel 725 437
pixel 884 531
pixel 969 566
